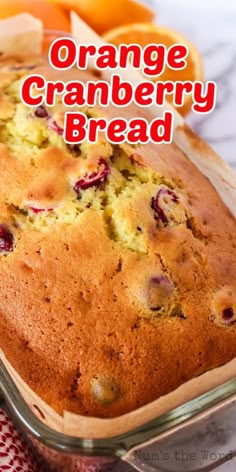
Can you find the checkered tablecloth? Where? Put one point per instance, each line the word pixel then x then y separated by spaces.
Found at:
pixel 15 454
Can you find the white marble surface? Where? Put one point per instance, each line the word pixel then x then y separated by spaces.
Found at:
pixel 211 26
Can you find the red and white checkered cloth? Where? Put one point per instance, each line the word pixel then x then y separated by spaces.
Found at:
pixel 15 455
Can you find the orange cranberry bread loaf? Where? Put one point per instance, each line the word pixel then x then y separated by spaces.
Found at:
pixel 117 263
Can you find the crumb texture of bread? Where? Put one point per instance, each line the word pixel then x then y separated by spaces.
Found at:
pixel 118 263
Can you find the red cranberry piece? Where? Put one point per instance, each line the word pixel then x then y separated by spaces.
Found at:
pixel 160 280
pixel 163 193
pixel 6 239
pixel 41 112
pixel 52 124
pixel 228 314
pixel 224 306
pixel 94 179
pixel 159 291
pixel 39 210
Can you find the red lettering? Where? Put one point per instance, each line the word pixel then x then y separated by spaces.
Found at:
pixel 116 129
pixel 180 90
pixel 154 59
pixel 62 53
pixel 121 93
pixel 108 57
pixel 138 131
pixel 75 127
pixel 204 103
pixel 176 56
pixel 162 89
pixel 53 88
pixel 143 92
pixel 127 50
pixel 29 82
pixel 74 94
pixel 96 125
pixel 98 92
pixel 161 129
pixel 84 52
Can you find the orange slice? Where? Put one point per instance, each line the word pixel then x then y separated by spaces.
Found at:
pixel 146 33
pixel 102 15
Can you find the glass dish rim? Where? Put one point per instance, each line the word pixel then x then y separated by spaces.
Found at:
pixel 111 446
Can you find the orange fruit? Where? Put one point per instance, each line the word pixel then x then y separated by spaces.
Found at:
pixel 102 15
pixel 52 16
pixel 146 33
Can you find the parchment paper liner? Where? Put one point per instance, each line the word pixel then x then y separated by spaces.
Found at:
pixel 91 428
pixel 224 181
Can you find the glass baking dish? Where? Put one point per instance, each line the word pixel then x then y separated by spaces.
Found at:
pixel 147 448
pixel 138 447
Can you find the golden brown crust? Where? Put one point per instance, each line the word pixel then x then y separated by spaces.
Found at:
pixel 108 307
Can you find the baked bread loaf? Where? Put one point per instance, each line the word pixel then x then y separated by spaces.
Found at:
pixel 117 263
